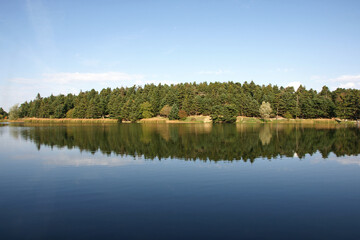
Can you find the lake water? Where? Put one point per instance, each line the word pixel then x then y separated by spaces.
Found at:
pixel 185 181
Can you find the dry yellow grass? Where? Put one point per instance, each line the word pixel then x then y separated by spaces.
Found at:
pixel 66 120
pixel 189 119
pixel 157 119
pixel 242 119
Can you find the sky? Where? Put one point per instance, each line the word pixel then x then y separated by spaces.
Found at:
pixel 63 46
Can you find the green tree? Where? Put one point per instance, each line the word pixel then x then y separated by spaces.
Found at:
pixel 3 114
pixel 265 110
pixel 222 101
pixel 229 113
pixel 165 111
pixel 288 115
pixel 94 109
pixel 60 111
pixel 224 114
pixel 81 105
pixel 146 110
pixel 70 113
pixel 14 112
pixel 174 113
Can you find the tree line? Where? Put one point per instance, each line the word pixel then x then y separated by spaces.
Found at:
pixel 222 101
pixel 3 114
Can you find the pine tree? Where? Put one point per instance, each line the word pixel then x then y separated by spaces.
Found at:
pixel 146 110
pixel 174 113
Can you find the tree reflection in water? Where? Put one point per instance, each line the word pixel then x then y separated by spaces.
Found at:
pixel 198 141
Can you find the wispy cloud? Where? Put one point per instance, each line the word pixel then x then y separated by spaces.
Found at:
pixel 343 81
pixel 348 160
pixel 86 159
pixel 348 85
pixel 41 24
pixel 346 78
pixel 295 84
pixel 18 90
pixel 66 160
pixel 216 72
pixel 347 81
pixel 76 77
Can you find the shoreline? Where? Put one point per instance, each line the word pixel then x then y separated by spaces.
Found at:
pixel 190 119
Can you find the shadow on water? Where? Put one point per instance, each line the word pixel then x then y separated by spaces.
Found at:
pixel 197 141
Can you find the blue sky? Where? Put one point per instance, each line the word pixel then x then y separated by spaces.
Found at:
pixel 54 47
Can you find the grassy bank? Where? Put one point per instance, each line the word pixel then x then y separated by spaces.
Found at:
pixel 65 120
pixel 240 119
pixel 190 119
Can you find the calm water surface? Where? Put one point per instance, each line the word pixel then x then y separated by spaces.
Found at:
pixel 189 181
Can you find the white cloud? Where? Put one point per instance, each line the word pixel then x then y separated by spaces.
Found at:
pixel 96 160
pixel 347 85
pixel 86 159
pixel 347 160
pixel 76 77
pixel 346 78
pixel 347 81
pixel 296 85
pixel 217 72
pixel 19 90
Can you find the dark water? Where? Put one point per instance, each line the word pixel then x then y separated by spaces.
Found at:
pixel 189 181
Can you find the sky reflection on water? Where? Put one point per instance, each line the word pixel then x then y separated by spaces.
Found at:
pixel 68 188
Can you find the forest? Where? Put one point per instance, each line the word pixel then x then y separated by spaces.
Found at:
pixel 223 101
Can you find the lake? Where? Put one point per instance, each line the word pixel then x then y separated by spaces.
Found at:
pixel 179 181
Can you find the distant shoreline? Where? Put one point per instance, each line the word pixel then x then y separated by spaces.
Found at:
pixel 190 119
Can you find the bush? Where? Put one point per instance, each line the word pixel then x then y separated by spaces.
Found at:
pixel 70 113
pixel 14 112
pixel 165 111
pixel 182 114
pixel 288 115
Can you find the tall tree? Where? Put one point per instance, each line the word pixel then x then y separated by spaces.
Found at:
pixel 265 110
pixel 174 113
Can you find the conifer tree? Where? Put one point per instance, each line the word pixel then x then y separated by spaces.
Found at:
pixel 174 113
